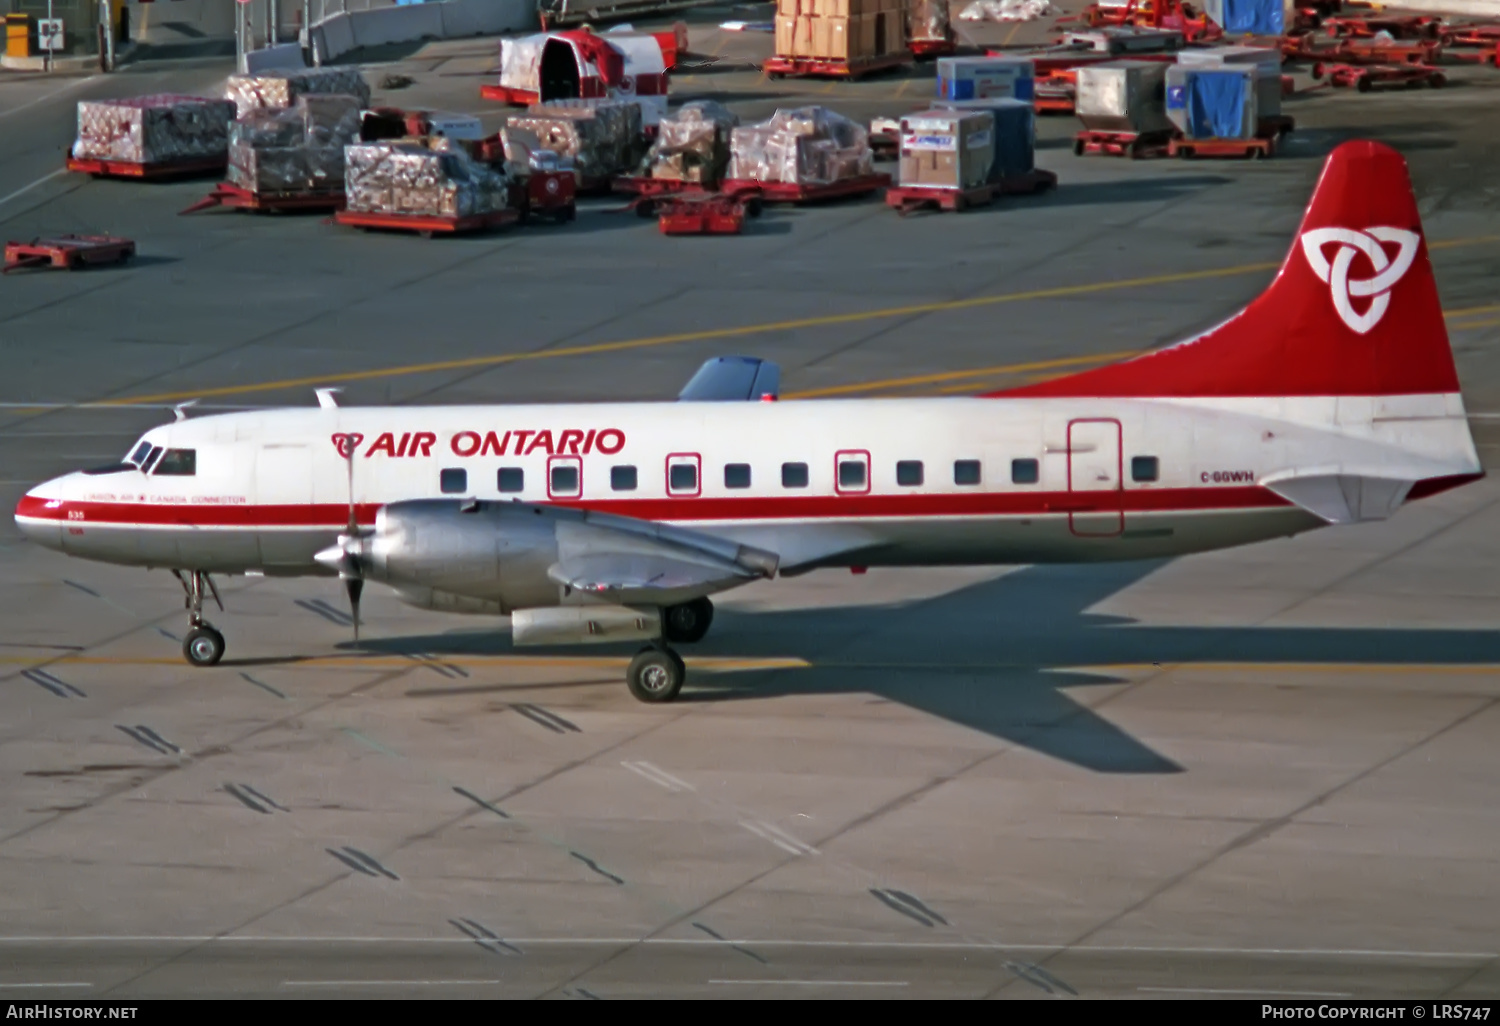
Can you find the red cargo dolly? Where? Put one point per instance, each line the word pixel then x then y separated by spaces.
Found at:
pixel 1367 76
pixel 226 194
pixel 703 214
pixel 514 97
pixel 126 169
pixel 1134 145
pixel 785 192
pixel 657 186
pixel 546 194
pixel 1414 27
pixel 927 49
pixel 1247 149
pixel 67 251
pixel 908 198
pixel 779 67
pixel 425 225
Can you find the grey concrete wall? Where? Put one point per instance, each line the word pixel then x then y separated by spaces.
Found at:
pixel 339 34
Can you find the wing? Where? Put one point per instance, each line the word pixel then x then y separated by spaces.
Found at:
pixel 733 379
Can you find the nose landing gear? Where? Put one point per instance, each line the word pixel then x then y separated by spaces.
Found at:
pixel 203 646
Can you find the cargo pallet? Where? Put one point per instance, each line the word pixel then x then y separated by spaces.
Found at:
pixel 928 49
pixel 640 186
pixel 908 198
pixel 780 67
pixel 1134 145
pixel 427 225
pixel 69 252
pixel 1365 77
pixel 128 169
pixel 1414 27
pixel 716 213
pixel 226 194
pixel 786 192
pixel 1246 149
pixel 513 97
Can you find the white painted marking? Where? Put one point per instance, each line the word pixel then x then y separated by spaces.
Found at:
pixel 1244 993
pixel 46 96
pixel 387 983
pixel 760 830
pixel 658 776
pixel 814 983
pixel 27 188
pixel 21 986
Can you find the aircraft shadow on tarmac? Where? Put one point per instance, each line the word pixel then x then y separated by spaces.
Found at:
pixel 990 656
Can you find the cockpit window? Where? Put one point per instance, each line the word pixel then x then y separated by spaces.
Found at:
pixel 151 457
pixel 139 455
pixel 178 462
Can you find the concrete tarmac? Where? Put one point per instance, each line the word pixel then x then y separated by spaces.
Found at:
pixel 1262 772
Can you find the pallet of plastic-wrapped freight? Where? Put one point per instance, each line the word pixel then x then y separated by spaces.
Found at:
pixel 1212 103
pixel 435 180
pixel 806 146
pixel 927 21
pixel 297 150
pixel 692 145
pixel 280 89
pixel 1015 134
pixel 1265 59
pixel 602 138
pixel 147 132
pixel 984 78
pixel 1123 97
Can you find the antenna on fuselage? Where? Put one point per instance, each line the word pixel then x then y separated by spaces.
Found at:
pixel 326 397
pixel 179 412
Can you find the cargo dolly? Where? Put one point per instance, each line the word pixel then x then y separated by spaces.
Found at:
pixel 149 172
pixel 1365 77
pixel 69 252
pixel 1413 27
pixel 641 186
pixel 1134 145
pixel 427 225
pixel 546 194
pixel 697 213
pixel 226 194
pixel 780 67
pixel 905 199
pixel 790 192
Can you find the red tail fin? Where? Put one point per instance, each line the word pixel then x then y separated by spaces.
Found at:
pixel 1353 311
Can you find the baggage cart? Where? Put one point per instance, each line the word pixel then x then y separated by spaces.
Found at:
pixel 148 172
pixel 779 67
pixel 906 199
pixel 545 194
pixel 642 186
pixel 1365 77
pixel 1246 149
pixel 1134 145
pixel 69 252
pixel 790 192
pixel 227 194
pixel 427 225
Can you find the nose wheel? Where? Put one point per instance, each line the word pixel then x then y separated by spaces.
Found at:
pixel 203 646
pixel 656 674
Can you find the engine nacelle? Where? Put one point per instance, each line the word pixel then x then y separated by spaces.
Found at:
pixel 447 602
pixel 584 625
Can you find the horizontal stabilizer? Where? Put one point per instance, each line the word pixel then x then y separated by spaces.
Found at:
pixel 1343 498
pixel 733 379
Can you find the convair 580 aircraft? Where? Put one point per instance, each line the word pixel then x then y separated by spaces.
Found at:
pixel 1331 399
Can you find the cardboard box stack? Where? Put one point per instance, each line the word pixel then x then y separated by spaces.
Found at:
pixel 300 149
pixel 840 30
pixel 806 146
pixel 947 149
pixel 431 177
pixel 159 129
pixel 280 89
pixel 693 144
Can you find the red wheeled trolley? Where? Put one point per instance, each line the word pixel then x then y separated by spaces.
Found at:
pixel 905 199
pixel 1247 149
pixel 126 169
pixel 426 225
pixel 235 197
pixel 1134 145
pixel 930 49
pixel 513 97
pixel 550 194
pixel 698 213
pixel 1367 76
pixel 787 192
pixel 69 252
pixel 816 67
pixel 633 186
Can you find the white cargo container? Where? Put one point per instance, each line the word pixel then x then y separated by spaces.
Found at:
pixel 1265 60
pixel 1123 96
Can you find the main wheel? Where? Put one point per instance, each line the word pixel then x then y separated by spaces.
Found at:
pixel 203 646
pixel 655 675
pixel 688 622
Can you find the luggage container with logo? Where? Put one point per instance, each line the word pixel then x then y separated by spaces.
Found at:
pixel 1123 96
pixel 1212 103
pixel 947 149
pixel 985 78
pixel 1015 134
pixel 1265 60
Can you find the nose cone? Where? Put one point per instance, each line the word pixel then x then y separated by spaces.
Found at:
pixel 40 514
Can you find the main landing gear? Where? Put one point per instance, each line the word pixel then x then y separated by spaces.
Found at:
pixel 203 645
pixel 656 673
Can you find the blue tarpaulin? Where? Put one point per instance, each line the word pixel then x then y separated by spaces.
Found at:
pixel 1256 17
pixel 1216 103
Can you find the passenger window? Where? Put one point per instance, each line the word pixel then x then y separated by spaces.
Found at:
pixel 852 471
pixel 178 463
pixel 909 473
pixel 966 472
pixel 736 475
pixel 622 479
pixel 453 480
pixel 794 475
pixel 682 478
pixel 511 479
pixel 1025 472
pixel 1144 468
pixel 564 477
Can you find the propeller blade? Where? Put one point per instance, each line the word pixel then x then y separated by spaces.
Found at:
pixel 354 586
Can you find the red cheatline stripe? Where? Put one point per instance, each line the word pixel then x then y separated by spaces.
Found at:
pixel 813 507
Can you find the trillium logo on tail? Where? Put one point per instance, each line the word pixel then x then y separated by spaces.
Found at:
pixel 347 444
pixel 1335 273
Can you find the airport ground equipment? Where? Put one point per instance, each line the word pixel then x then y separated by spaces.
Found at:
pixel 227 194
pixel 149 172
pixel 70 252
pixel 427 225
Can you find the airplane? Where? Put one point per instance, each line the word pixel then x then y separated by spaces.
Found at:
pixel 1331 399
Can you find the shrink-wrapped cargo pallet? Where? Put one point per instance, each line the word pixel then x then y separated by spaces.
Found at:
pixel 927 19
pixel 1212 103
pixel 602 138
pixel 840 30
pixel 300 149
pixel 947 149
pixel 1123 96
pixel 280 89
pixel 805 146
pixel 424 178
pixel 692 145
pixel 985 78
pixel 1015 134
pixel 159 129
